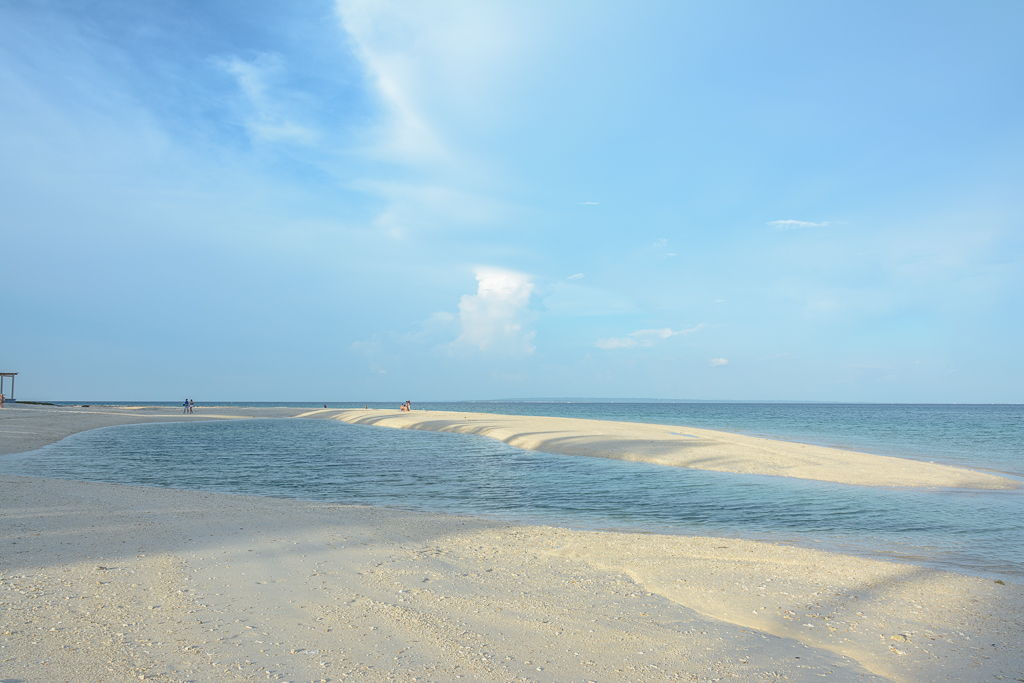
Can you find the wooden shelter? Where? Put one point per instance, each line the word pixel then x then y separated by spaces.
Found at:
pixel 3 376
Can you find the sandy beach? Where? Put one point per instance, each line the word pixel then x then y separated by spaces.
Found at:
pixel 118 583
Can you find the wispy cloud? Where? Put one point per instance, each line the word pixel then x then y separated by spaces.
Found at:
pixel 717 362
pixel 643 338
pixel 431 67
pixel 496 317
pixel 427 205
pixel 796 225
pixel 577 276
pixel 589 203
pixel 377 30
pixel 430 63
pixel 267 118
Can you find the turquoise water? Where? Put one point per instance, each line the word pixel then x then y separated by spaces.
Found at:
pixel 324 460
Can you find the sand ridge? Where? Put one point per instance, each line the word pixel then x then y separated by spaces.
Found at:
pixel 681 447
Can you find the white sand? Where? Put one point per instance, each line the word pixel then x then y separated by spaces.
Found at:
pixel 702 449
pixel 114 583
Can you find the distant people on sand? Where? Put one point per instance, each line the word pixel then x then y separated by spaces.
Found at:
pixel 189 405
pixel 2 399
pixel 406 407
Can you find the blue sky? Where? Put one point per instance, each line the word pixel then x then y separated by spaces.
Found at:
pixel 456 200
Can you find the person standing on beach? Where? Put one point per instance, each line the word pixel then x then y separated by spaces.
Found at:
pixel 1 400
pixel 185 404
pixel 191 405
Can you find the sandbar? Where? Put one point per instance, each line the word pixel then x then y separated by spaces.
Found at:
pixel 676 446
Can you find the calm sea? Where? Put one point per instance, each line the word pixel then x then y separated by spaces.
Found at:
pixel 976 532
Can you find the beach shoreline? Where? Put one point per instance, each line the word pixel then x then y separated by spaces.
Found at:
pixel 116 582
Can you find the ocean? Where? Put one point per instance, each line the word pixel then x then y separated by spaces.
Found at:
pixel 976 532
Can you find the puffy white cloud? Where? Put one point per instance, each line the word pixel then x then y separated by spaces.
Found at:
pixel 795 225
pixel 496 318
pixel 643 338
pixel 719 361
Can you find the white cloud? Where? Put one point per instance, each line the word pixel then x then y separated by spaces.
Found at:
pixel 378 32
pixel 431 63
pixel 795 225
pixel 577 276
pixel 496 317
pixel 643 338
pixel 589 203
pixel 716 362
pixel 267 118
pixel 438 71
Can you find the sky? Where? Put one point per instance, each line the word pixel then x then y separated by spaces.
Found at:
pixel 380 201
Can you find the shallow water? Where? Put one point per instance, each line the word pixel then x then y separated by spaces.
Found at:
pixel 978 436
pixel 325 460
